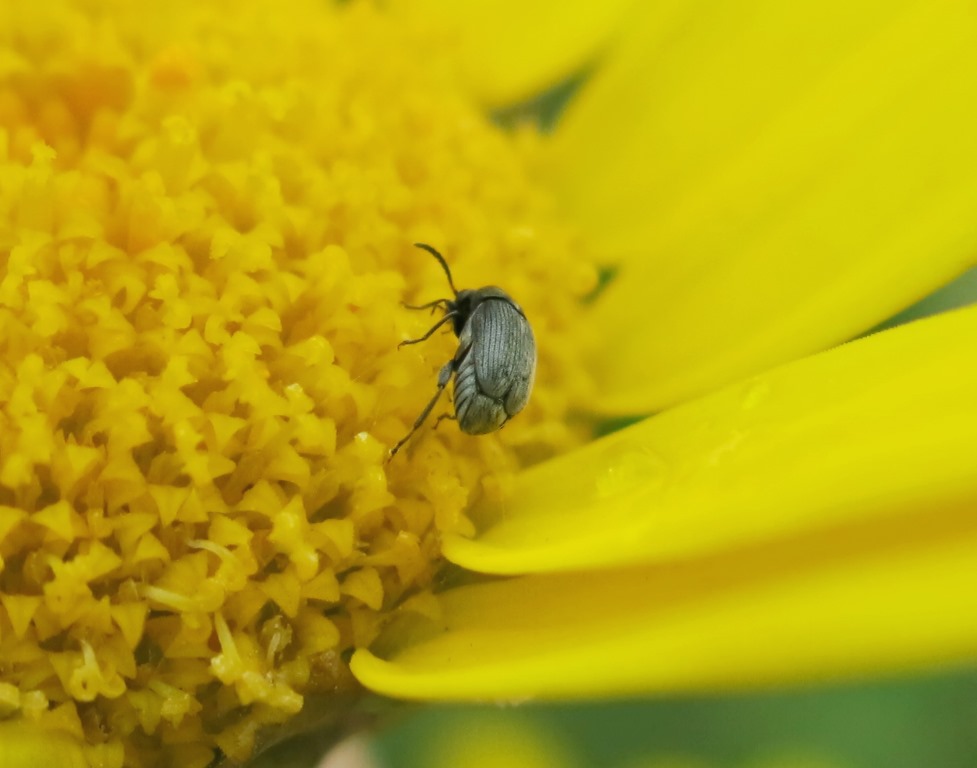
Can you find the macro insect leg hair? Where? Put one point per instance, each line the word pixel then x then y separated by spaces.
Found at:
pixel 441 261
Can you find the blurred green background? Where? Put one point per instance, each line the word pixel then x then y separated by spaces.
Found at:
pixel 920 723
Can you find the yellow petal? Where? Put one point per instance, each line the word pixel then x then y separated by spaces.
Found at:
pixel 510 50
pixel 879 600
pixel 771 178
pixel 877 428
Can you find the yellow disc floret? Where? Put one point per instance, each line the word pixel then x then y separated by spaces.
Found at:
pixel 206 218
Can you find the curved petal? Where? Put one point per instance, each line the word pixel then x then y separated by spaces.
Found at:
pixel 771 179
pixel 889 598
pixel 509 50
pixel 877 428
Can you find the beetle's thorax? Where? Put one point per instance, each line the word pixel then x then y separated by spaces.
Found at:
pixel 466 301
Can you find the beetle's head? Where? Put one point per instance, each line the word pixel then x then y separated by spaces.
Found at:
pixel 467 300
pixel 463 306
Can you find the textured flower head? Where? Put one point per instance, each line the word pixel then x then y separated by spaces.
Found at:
pixel 207 218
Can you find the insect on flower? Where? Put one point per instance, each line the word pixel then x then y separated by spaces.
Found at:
pixel 495 364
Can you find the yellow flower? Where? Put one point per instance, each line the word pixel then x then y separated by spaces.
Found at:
pixel 206 212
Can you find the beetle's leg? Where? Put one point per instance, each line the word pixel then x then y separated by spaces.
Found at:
pixel 427 335
pixel 432 305
pixel 444 416
pixel 444 376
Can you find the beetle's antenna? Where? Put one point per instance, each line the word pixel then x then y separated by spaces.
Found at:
pixel 441 261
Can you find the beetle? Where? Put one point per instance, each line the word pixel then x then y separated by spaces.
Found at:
pixel 495 364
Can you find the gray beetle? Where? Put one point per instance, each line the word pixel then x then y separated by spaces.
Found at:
pixel 495 364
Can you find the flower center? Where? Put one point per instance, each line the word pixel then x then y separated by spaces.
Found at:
pixel 206 219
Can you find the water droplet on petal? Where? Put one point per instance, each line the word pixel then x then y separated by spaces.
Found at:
pixel 756 392
pixel 726 447
pixel 629 467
